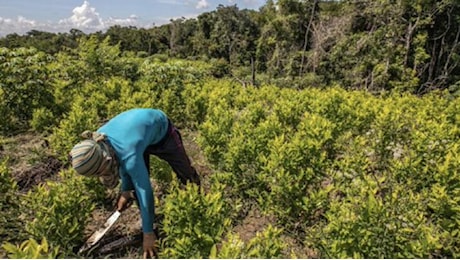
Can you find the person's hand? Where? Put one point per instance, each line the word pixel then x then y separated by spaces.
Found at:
pixel 149 245
pixel 125 200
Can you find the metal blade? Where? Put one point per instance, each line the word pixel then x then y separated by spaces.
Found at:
pixel 96 236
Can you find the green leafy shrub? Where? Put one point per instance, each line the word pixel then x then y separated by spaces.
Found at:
pixel 215 134
pixel 165 83
pixel 120 95
pixel 196 98
pixel 9 207
pixel 160 57
pixel 24 87
pixel 296 166
pixel 375 220
pixel 43 120
pixel 267 244
pixel 193 221
pixel 220 68
pixel 67 133
pixel 31 249
pixel 97 58
pixel 162 171
pixel 444 201
pixel 59 211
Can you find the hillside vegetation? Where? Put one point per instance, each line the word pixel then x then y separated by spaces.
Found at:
pixel 319 133
pixel 335 173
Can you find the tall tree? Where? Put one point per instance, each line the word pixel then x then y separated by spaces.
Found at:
pixel 181 32
pixel 436 24
pixel 314 9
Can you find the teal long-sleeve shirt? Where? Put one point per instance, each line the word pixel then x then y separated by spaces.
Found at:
pixel 129 134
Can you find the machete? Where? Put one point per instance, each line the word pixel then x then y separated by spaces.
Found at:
pixel 96 236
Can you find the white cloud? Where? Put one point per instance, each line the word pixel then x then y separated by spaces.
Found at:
pixel 20 25
pixel 131 20
pixel 202 4
pixel 84 18
pixel 25 21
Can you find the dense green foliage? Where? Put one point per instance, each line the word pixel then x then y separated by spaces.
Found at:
pixel 194 222
pixel 25 86
pixel 9 207
pixel 341 173
pixel 265 245
pixel 31 249
pixel 407 45
pixel 51 208
pixel 351 171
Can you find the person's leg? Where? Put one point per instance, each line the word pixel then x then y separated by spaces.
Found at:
pixel 172 151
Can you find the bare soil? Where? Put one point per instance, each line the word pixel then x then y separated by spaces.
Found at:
pixel 29 160
pixel 41 171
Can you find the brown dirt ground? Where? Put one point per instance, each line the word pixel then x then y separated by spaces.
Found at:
pixel 29 160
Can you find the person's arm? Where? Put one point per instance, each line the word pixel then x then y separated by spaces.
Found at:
pixel 126 183
pixel 126 196
pixel 139 177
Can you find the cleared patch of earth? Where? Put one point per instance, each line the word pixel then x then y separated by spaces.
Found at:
pixel 48 167
pixel 29 160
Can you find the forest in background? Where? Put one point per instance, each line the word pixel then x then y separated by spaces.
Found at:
pixel 405 45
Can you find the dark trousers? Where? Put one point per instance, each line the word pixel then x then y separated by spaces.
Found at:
pixel 171 149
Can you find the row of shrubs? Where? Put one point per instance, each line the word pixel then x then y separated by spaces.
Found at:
pixel 345 174
pixel 84 88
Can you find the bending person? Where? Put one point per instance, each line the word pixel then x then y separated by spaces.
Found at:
pixel 120 149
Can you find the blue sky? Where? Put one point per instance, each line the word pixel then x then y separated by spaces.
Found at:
pixel 21 16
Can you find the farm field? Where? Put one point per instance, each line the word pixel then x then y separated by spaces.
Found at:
pixel 306 173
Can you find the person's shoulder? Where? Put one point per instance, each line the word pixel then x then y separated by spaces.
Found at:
pixel 144 110
pixel 141 113
pixel 152 111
